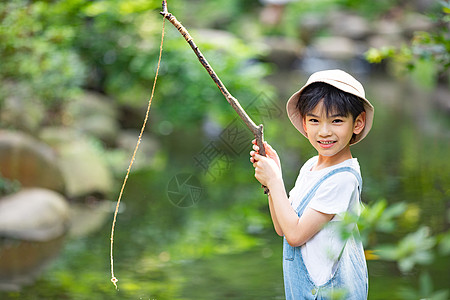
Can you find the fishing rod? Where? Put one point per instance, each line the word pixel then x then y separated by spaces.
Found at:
pixel 257 130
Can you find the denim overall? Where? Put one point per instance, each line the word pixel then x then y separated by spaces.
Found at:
pixel 350 280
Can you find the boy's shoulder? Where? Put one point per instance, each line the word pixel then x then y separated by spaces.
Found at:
pixel 310 162
pixel 346 172
pixel 352 163
pixel 349 178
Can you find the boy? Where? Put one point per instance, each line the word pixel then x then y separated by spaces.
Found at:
pixel 331 111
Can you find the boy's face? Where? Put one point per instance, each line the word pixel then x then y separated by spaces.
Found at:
pixel 331 135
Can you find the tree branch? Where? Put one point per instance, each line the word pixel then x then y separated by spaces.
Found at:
pixel 257 130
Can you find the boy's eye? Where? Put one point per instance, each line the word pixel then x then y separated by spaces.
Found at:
pixel 338 121
pixel 312 120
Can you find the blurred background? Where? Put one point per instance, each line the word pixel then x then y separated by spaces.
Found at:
pixel 75 79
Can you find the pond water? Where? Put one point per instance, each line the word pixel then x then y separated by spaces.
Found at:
pixel 220 244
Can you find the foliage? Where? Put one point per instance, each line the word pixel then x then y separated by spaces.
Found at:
pixel 414 250
pixel 36 51
pixel 428 55
pixel 370 9
pixel 425 290
pixel 411 250
pixel 59 47
pixel 8 186
pixel 380 218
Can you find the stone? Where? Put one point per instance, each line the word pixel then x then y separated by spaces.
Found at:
pixel 441 98
pixel 336 47
pixel 20 110
pixel 86 218
pixel 94 114
pixel 423 6
pixel 33 214
pixel 379 41
pixel 33 226
pixel 278 2
pixel 387 33
pixel 271 14
pixel 388 27
pixel 219 38
pixel 413 22
pixel 310 24
pixel 29 161
pixel 21 262
pixel 349 25
pixel 145 156
pixel 82 162
pixel 283 51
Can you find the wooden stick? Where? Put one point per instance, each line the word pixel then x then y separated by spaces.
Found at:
pixel 257 130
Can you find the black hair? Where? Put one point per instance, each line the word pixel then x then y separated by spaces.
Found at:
pixel 334 100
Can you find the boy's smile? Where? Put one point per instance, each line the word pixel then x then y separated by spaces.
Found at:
pixel 330 134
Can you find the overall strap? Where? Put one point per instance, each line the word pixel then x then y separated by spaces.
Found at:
pixel 305 201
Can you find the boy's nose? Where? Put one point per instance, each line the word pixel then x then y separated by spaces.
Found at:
pixel 324 130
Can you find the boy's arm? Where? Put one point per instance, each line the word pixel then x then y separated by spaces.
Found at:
pixel 270 152
pixel 276 225
pixel 297 231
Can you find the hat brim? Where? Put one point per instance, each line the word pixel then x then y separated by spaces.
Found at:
pixel 297 120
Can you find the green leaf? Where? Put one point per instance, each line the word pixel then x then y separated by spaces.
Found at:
pixel 413 249
pixel 444 243
pixel 426 284
pixel 440 295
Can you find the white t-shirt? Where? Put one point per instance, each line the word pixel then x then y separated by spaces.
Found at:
pixel 336 195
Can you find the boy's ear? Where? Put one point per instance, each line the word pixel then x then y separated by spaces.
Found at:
pixel 304 125
pixel 359 123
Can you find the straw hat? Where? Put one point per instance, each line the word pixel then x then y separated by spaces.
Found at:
pixel 340 80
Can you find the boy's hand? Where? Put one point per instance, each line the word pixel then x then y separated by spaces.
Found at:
pixel 267 168
pixel 270 152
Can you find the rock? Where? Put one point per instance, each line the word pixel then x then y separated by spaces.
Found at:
pixel 146 153
pixel 19 110
pixel 415 22
pixel 379 41
pixel 22 261
pixel 423 6
pixel 388 27
pixel 219 38
pixel 278 2
pixel 337 48
pixel 33 214
pixel 349 25
pixel 33 224
pixel 441 98
pixel 310 24
pixel 283 51
pixel 29 161
pixel 272 14
pixel 96 115
pixel 81 161
pixel 88 218
pixel 387 33
pixel 56 136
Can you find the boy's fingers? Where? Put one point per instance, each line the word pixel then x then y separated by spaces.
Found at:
pixel 258 156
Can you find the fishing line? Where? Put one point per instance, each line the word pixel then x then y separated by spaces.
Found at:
pixel 114 280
